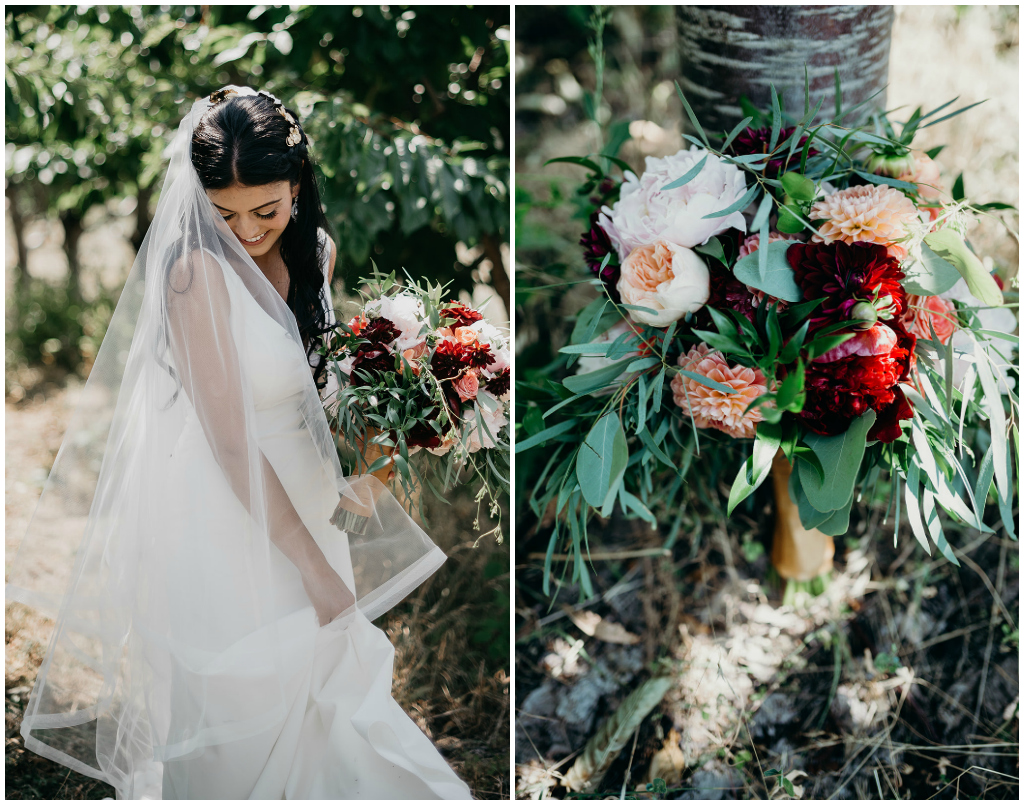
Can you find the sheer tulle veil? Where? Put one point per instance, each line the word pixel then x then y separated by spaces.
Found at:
pixel 140 644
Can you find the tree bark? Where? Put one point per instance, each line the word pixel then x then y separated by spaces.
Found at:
pixel 499 276
pixel 735 51
pixel 142 220
pixel 72 222
pixel 18 221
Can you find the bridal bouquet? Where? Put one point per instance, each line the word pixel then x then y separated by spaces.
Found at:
pixel 782 291
pixel 424 385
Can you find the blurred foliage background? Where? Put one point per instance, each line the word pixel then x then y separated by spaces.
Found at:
pixel 407 107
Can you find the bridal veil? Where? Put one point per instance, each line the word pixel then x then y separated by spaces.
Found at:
pixel 99 557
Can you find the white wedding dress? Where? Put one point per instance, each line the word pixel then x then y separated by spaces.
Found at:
pixel 196 477
pixel 342 736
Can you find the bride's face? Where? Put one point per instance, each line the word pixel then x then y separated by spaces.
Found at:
pixel 257 215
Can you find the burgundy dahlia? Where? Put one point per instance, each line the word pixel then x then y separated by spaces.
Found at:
pixel 380 332
pixel 756 141
pixel 370 362
pixel 500 383
pixel 858 375
pixel 596 245
pixel 846 275
pixel 463 314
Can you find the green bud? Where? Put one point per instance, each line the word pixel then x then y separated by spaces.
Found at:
pixel 891 165
pixel 865 314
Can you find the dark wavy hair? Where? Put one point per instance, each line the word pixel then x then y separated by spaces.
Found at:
pixel 242 140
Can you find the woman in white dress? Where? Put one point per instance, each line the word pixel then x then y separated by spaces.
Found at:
pixel 211 571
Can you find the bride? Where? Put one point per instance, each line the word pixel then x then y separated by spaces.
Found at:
pixel 212 572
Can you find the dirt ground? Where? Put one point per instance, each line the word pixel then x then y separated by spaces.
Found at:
pixel 902 681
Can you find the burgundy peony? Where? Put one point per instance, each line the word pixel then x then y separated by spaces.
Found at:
pixel 846 275
pixel 860 374
pixel 756 141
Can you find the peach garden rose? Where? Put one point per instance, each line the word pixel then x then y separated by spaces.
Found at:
pixel 669 279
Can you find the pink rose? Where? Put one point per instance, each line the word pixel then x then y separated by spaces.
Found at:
pixel 671 280
pixel 465 335
pixel 467 386
pixel 925 312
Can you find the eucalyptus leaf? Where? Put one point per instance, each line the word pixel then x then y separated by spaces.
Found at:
pixel 929 276
pixel 598 379
pixel 602 458
pixel 754 470
pixel 778 279
pixel 840 458
pixel 688 176
pixel 948 245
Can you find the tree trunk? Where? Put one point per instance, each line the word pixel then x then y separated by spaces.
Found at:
pixel 499 276
pixel 734 51
pixel 19 234
pixel 798 553
pixel 145 194
pixel 72 222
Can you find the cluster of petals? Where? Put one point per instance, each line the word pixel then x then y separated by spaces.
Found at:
pixel 711 408
pixel 866 214
pixel 647 212
pixel 667 279
pixel 925 313
pixel 860 374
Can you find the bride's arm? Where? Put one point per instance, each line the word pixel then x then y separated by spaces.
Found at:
pixel 208 365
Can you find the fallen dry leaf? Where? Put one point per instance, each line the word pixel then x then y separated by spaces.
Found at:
pixel 593 625
pixel 668 762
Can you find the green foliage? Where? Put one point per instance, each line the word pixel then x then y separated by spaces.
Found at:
pixel 408 109
pixel 46 327
pixel 608 437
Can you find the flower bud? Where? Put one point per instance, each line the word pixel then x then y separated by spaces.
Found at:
pixel 864 314
pixel 891 165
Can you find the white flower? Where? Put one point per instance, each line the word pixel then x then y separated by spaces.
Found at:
pixel 671 280
pixel 645 213
pixel 406 312
pixel 477 436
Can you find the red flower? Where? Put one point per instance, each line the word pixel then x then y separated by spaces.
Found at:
pixel 756 141
pixel 463 314
pixel 860 374
pixel 499 384
pixel 369 363
pixel 596 244
pixel 845 275
pixel 380 332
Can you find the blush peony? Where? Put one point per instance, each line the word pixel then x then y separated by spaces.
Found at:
pixel 669 279
pixel 860 374
pixel 711 408
pixel 645 212
pixel 866 214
